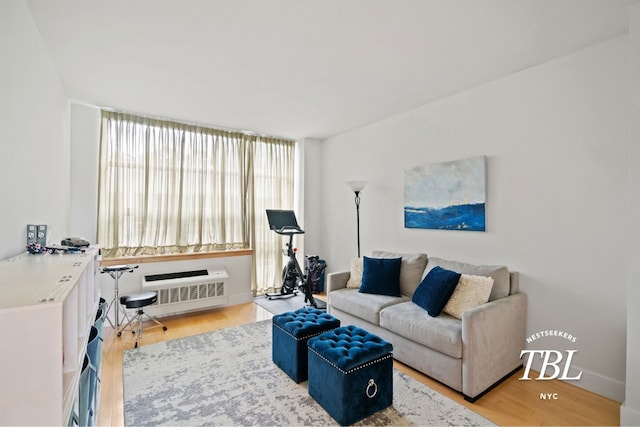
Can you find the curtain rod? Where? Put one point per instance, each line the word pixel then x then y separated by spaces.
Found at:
pixel 186 122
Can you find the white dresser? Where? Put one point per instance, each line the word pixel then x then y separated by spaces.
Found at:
pixel 48 304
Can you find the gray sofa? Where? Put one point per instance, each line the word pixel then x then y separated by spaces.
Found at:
pixel 470 355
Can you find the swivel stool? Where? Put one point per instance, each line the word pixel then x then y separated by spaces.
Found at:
pixel 139 301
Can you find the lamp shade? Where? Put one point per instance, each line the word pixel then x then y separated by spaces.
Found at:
pixel 356 186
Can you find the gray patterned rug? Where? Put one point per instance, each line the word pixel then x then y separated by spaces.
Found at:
pixel 281 305
pixel 226 377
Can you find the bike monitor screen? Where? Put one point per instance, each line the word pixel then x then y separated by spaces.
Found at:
pixel 279 219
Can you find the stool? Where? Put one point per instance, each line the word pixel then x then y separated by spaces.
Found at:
pixel 116 271
pixel 291 331
pixel 139 301
pixel 350 373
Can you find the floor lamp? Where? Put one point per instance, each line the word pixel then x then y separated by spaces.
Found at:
pixel 356 187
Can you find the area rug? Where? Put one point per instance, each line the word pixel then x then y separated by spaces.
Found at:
pixel 226 377
pixel 283 305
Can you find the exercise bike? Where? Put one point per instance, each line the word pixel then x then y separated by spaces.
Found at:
pixel 284 222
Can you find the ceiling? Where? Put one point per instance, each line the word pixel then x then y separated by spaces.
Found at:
pixel 304 68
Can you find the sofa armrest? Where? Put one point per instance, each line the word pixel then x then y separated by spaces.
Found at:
pixel 337 280
pixel 493 335
pixel 514 282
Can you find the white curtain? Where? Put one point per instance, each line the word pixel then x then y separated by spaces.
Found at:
pixel 275 189
pixel 169 187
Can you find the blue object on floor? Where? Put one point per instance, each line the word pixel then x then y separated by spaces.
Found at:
pixel 350 373
pixel 99 321
pixel 291 331
pixel 94 351
pixel 84 386
pixel 102 304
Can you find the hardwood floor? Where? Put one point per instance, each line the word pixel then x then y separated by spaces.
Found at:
pixel 513 402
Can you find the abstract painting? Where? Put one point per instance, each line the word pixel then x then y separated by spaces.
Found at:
pixel 448 195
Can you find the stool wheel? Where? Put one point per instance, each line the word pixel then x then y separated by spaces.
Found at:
pixel 164 328
pixel 119 333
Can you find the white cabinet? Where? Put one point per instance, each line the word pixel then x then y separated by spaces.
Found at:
pixel 47 307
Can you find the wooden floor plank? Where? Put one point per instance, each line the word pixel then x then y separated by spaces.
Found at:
pixel 513 402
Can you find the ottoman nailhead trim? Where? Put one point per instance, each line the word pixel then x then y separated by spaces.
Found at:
pixel 302 338
pixel 364 365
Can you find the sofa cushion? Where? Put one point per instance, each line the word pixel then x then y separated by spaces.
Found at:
pixel 411 269
pixel 355 274
pixel 499 273
pixel 471 292
pixel 435 290
pixel 365 306
pixel 381 276
pixel 442 333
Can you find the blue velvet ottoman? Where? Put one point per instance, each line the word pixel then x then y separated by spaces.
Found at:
pixel 291 331
pixel 350 373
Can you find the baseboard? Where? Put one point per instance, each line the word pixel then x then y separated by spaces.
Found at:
pixel 593 382
pixel 497 383
pixel 629 416
pixel 198 305
pixel 240 298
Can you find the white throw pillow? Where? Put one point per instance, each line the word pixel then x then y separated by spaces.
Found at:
pixel 355 277
pixel 471 292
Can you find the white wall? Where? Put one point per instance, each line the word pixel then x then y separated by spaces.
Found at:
pixel 312 207
pixel 555 141
pixel 85 155
pixel 630 410
pixel 34 142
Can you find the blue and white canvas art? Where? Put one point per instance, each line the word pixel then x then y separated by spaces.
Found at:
pixel 448 195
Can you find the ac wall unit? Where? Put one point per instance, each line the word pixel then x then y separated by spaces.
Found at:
pixel 186 286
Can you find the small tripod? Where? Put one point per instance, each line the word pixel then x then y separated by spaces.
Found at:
pixel 293 279
pixel 116 271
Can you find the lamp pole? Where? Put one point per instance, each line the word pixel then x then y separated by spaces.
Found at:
pixel 356 187
pixel 357 199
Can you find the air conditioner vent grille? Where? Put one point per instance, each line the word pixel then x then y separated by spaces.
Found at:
pixel 190 293
pixel 175 275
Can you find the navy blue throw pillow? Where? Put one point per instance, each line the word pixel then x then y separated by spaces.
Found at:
pixel 381 276
pixel 435 290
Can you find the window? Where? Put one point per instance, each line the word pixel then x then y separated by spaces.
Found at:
pixel 168 187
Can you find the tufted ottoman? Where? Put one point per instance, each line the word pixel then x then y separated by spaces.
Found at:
pixel 291 331
pixel 350 373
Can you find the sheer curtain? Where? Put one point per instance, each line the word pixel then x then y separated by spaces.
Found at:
pixel 170 187
pixel 276 192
